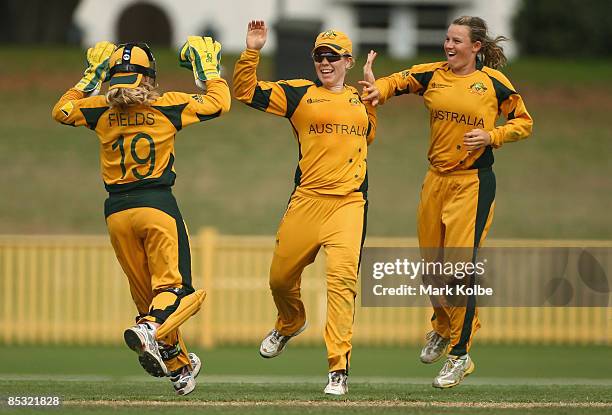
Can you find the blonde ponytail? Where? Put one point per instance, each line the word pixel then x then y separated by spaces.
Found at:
pixel 144 94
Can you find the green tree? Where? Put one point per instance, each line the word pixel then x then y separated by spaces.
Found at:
pixel 564 28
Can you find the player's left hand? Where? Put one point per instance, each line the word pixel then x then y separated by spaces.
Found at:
pixel 475 139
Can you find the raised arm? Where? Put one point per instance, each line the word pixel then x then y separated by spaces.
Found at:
pixel 278 98
pixel 202 54
pixel 414 80
pixel 65 110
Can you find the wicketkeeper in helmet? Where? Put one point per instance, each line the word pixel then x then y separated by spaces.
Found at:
pixel 136 126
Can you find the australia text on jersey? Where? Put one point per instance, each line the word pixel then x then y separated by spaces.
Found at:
pixel 441 115
pixel 337 129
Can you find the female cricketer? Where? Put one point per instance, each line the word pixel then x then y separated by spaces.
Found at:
pixel 464 95
pixel 136 127
pixel 333 128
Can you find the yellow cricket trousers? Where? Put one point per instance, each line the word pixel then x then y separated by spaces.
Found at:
pixel 152 246
pixel 338 223
pixel 455 211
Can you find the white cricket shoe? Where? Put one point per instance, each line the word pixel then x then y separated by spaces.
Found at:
pixel 455 369
pixel 274 342
pixel 183 380
pixel 196 364
pixel 337 383
pixel 141 339
pixel 435 348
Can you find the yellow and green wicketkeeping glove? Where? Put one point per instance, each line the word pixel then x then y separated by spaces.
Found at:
pixel 203 56
pixel 97 61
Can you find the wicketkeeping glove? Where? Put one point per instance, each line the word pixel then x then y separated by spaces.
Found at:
pixel 203 56
pixel 95 74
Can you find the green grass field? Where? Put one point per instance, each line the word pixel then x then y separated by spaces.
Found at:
pixel 508 379
pixel 236 172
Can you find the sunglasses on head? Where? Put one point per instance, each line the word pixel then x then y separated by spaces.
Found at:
pixel 330 56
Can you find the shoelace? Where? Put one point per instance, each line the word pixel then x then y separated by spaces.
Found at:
pixel 337 377
pixel 275 337
pixel 450 365
pixel 185 372
pixel 438 342
pixel 437 339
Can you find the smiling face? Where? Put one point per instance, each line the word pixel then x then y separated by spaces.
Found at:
pixel 332 74
pixel 460 50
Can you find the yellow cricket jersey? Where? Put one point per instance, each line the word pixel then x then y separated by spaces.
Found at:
pixel 137 144
pixel 332 129
pixel 458 104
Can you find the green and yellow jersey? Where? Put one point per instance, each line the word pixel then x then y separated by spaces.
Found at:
pixel 332 129
pixel 458 104
pixel 137 144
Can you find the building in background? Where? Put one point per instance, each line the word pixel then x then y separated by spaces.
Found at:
pixel 401 28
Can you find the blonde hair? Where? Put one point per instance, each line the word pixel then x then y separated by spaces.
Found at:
pixel 491 53
pixel 144 94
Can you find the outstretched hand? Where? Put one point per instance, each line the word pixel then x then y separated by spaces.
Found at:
pixel 257 33
pixel 370 93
